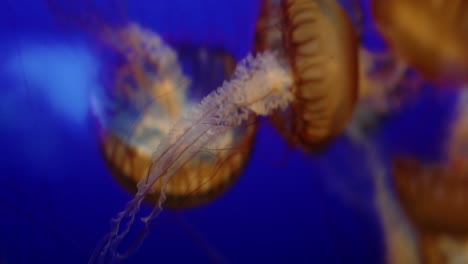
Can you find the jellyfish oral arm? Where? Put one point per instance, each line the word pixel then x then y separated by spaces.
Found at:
pixel 259 86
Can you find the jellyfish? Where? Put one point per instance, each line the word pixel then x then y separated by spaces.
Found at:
pixel 145 92
pixel 319 42
pixel 433 194
pixel 259 85
pixel 147 96
pixel 429 35
pixel 433 197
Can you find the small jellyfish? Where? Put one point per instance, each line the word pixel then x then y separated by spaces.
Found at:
pixel 319 42
pixel 432 36
pixel 149 94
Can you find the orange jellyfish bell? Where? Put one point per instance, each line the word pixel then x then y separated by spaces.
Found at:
pixel 148 94
pixel 434 198
pixel 432 36
pixel 320 45
pixel 433 195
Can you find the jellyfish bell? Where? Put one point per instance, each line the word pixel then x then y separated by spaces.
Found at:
pixel 432 36
pixel 433 197
pixel 319 43
pixel 147 94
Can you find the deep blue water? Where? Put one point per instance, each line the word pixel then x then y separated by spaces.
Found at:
pixel 57 195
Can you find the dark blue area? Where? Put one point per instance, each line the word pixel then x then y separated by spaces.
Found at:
pixel 421 128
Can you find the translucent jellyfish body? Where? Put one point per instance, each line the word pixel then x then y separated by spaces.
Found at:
pixel 147 93
pixel 432 36
pixel 318 41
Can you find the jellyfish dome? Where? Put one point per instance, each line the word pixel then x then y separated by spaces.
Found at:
pixel 319 43
pixel 429 35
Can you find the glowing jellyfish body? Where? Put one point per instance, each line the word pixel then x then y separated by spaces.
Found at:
pixel 432 36
pixel 319 43
pixel 148 94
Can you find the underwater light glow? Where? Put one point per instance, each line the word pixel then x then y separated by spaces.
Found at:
pixel 62 73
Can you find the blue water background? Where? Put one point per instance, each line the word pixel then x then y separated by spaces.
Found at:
pixel 57 196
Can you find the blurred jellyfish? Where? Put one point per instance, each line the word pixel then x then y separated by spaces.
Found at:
pixel 432 36
pixel 434 197
pixel 147 95
pixel 319 42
